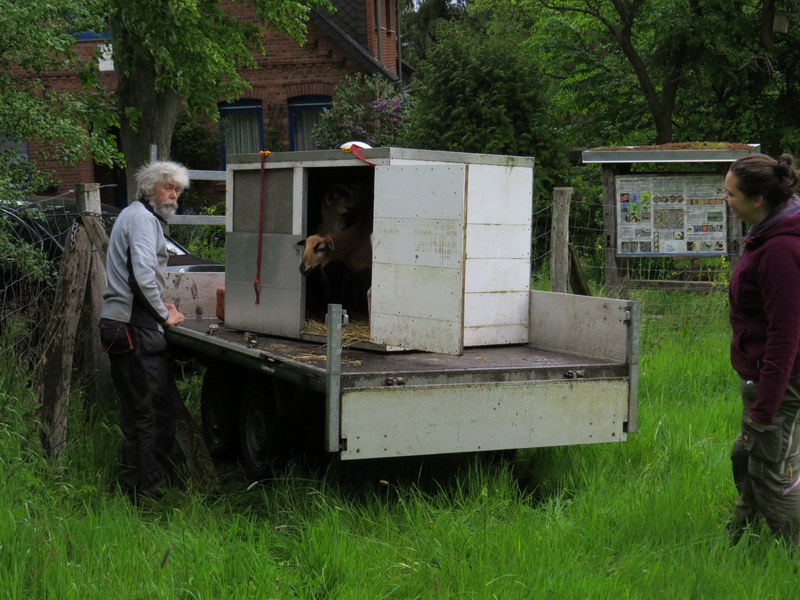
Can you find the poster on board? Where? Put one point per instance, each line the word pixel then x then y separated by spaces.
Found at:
pixel 671 214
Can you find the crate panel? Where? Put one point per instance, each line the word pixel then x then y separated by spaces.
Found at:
pixel 418 257
pixel 416 242
pixel 496 275
pixel 495 335
pixel 499 194
pixel 498 241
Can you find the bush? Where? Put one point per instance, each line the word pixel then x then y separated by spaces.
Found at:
pixel 205 241
pixel 481 93
pixel 366 109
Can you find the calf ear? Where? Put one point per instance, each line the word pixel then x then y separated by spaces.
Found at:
pixel 302 243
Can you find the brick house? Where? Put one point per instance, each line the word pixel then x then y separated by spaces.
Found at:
pixel 289 89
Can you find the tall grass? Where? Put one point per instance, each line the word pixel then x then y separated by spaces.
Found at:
pixel 641 519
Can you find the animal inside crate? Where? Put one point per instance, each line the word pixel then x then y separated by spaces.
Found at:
pixel 451 238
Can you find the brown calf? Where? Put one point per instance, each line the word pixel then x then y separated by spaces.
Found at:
pixel 352 247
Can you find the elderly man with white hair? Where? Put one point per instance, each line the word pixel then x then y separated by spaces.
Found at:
pixel 132 328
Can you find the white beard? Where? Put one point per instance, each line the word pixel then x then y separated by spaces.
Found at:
pixel 165 210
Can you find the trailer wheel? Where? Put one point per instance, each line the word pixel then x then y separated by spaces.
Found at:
pixel 220 398
pixel 260 432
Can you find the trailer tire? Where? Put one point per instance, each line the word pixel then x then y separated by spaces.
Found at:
pixel 220 398
pixel 261 437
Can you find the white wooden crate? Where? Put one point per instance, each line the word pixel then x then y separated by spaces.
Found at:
pixel 451 245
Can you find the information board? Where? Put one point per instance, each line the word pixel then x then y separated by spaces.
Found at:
pixel 671 214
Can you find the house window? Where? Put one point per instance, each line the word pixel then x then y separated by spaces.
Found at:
pixel 105 61
pixel 15 148
pixel 304 114
pixel 84 36
pixel 242 127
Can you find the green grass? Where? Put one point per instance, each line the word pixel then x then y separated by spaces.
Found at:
pixel 641 519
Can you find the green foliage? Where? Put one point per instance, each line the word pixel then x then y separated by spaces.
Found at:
pixel 18 178
pixel 480 92
pixel 205 241
pixel 594 95
pixel 21 261
pixel 419 23
pixel 35 37
pixel 365 108
pixel 24 261
pixel 475 95
pixel 639 519
pixel 195 143
pixel 196 49
pixel 622 66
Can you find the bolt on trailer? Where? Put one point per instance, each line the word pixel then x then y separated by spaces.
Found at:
pixel 449 351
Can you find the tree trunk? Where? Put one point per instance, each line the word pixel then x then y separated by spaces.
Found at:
pixel 765 35
pixel 147 114
pixel 659 109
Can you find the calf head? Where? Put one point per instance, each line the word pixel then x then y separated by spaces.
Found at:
pixel 342 198
pixel 317 253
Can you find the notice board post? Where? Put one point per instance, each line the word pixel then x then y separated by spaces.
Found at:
pixel 612 272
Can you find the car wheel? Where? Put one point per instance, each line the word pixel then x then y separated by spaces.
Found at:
pixel 261 434
pixel 220 400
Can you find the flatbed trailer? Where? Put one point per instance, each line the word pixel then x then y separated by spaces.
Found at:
pixel 574 382
pixel 460 355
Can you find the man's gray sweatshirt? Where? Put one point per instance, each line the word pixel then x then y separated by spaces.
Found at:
pixel 135 265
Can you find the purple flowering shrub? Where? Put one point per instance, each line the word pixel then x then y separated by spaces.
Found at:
pixel 366 109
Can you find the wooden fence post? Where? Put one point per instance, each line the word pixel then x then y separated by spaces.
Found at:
pixel 559 240
pixel 87 197
pixel 52 374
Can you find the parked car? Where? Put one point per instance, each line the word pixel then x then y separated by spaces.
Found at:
pixel 44 223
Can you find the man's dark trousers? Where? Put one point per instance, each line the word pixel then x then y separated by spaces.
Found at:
pixel 147 416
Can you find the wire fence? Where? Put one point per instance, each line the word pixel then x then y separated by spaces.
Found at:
pixel 33 236
pixel 587 237
pixel 32 239
pixel 28 277
pixel 675 292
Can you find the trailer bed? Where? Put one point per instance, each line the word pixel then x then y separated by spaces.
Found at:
pixel 365 368
pixel 575 382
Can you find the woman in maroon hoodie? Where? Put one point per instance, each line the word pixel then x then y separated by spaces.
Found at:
pixel 765 350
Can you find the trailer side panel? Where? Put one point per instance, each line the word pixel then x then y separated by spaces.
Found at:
pixel 419 420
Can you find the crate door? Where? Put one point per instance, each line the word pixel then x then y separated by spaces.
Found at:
pixel 280 301
pixel 418 257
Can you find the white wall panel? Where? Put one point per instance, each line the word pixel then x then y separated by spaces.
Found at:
pixel 497 275
pixel 418 242
pixel 498 241
pixel 499 194
pixel 494 335
pixel 418 257
pixel 422 292
pixel 496 309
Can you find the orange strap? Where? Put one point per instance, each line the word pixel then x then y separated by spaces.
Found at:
pixel 356 151
pixel 262 209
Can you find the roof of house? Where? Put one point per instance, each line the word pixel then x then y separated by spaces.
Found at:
pixel 347 26
pixel 351 17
